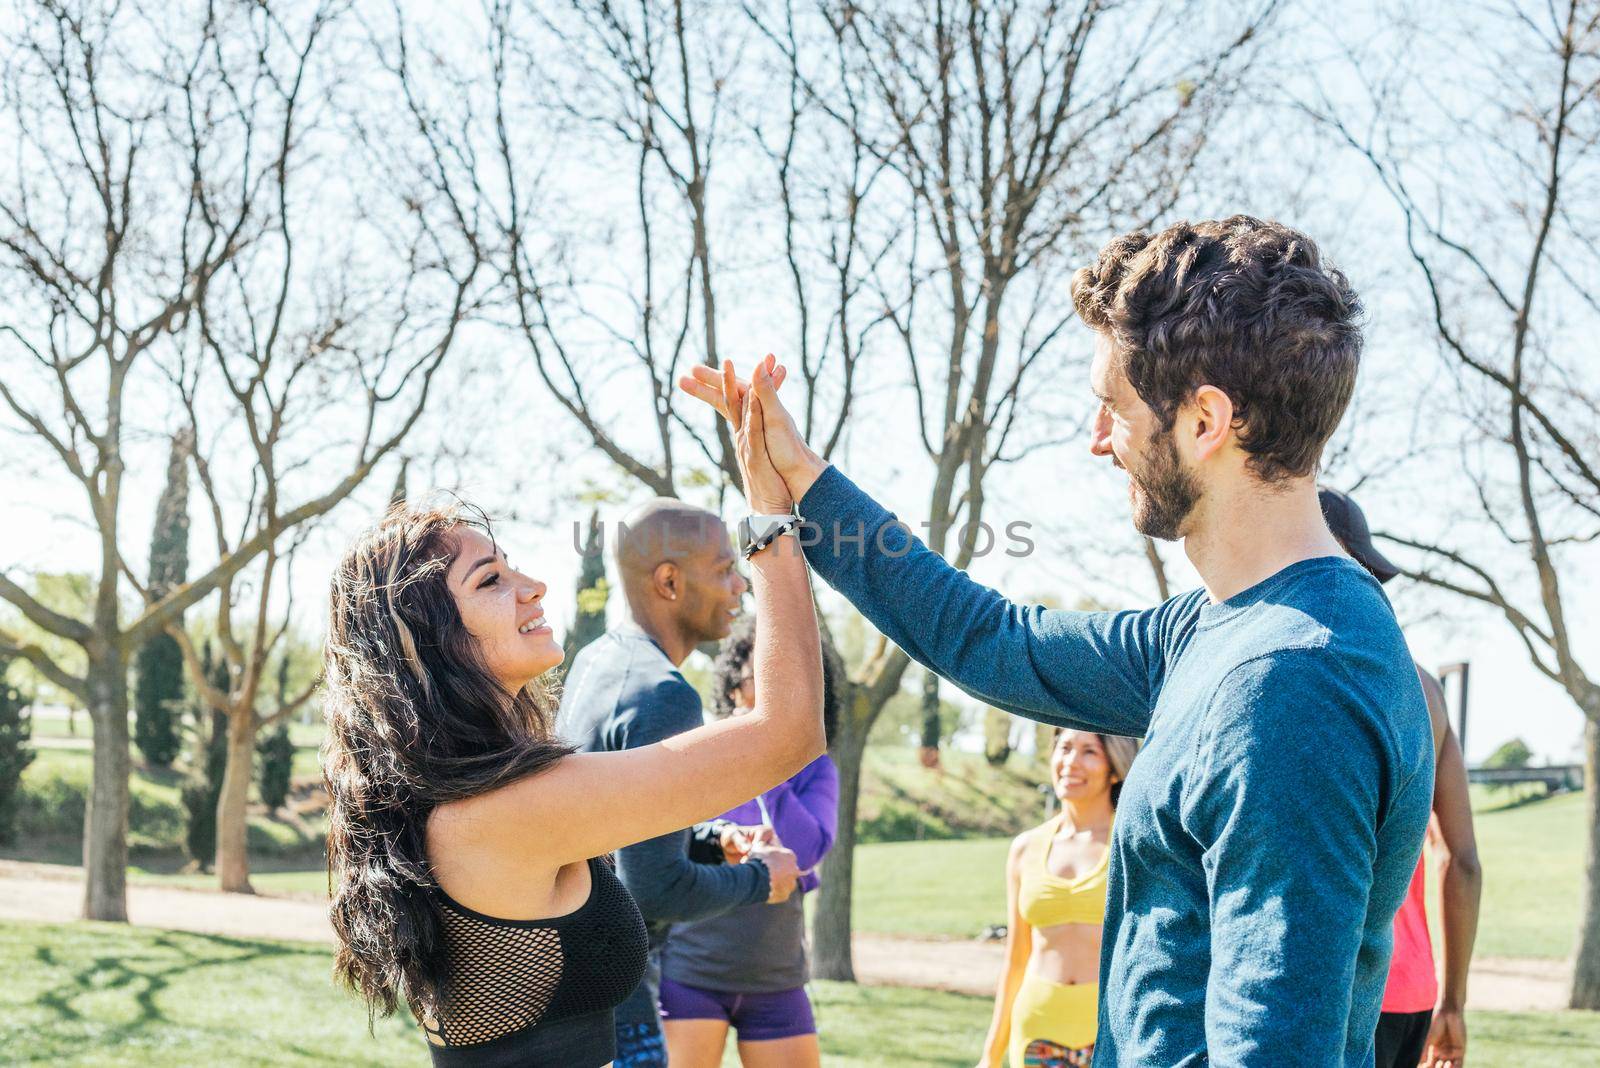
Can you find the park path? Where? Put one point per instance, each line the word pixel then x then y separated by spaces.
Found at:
pixel 54 893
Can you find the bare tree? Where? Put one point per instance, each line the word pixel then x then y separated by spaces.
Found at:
pixel 1020 135
pixel 153 190
pixel 1495 180
pixel 642 92
pixel 937 173
pixel 294 339
pixel 104 255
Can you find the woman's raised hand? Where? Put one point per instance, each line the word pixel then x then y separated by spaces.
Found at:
pixel 764 430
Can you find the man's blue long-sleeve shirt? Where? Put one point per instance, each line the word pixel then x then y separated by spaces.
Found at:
pixel 623 692
pixel 1268 829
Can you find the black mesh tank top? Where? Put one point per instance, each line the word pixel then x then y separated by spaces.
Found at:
pixel 532 993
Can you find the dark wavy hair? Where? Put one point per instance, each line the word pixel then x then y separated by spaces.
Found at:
pixel 737 649
pixel 1240 304
pixel 415 720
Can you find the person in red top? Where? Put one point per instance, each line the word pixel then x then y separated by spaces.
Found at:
pixel 1423 1021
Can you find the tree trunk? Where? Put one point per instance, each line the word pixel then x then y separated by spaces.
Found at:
pixel 1586 968
pixel 233 802
pixel 830 925
pixel 932 729
pixel 105 818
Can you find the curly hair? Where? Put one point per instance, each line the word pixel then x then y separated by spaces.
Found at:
pixel 415 720
pixel 1241 304
pixel 737 649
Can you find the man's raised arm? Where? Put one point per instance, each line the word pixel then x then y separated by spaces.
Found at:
pixel 1092 670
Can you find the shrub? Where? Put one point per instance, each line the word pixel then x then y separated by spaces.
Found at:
pixel 53 799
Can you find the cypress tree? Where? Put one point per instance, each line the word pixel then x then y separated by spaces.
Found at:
pixel 276 750
pixel 210 760
pixel 932 726
pixel 158 665
pixel 397 495
pixel 277 764
pixel 217 739
pixel 593 592
pixel 16 754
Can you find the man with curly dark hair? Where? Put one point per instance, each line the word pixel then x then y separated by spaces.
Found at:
pixel 1268 830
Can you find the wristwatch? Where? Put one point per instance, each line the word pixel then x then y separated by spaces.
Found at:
pixel 756 532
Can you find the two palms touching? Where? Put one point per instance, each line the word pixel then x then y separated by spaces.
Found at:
pixel 776 464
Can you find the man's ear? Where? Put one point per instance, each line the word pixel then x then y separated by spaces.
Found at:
pixel 1210 422
pixel 667 580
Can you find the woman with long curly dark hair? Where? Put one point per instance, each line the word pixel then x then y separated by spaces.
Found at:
pixel 464 841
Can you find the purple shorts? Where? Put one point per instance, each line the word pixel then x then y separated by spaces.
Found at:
pixel 756 1017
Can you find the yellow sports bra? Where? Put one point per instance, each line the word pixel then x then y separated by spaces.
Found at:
pixel 1047 900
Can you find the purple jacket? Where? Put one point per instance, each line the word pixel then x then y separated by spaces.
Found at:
pixel 761 948
pixel 805 813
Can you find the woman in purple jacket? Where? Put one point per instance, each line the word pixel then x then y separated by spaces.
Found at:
pixel 746 969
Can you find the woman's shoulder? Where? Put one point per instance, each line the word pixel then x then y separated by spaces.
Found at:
pixel 486 816
pixel 1030 838
pixel 473 863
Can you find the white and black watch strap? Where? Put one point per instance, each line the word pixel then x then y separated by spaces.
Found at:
pixel 756 532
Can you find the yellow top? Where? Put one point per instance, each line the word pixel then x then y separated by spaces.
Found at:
pixel 1047 900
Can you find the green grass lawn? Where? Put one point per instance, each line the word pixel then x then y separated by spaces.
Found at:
pixel 944 889
pixel 162 782
pixel 96 994
pixel 1532 860
pixel 54 738
pixel 954 888
pixel 1532 878
pixel 102 994
pixel 903 801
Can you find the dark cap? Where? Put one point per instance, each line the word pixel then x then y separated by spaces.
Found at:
pixel 1349 525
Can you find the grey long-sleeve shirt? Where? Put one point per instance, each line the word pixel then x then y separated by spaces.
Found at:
pixel 622 692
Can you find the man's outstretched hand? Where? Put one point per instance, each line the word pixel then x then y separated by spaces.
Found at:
pixel 774 441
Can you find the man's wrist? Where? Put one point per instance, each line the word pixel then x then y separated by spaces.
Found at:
pixel 805 475
pixel 764 879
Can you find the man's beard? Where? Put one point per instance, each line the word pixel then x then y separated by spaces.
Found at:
pixel 1164 493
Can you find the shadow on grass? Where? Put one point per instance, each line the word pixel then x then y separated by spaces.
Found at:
pixel 1513 798
pixel 143 974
